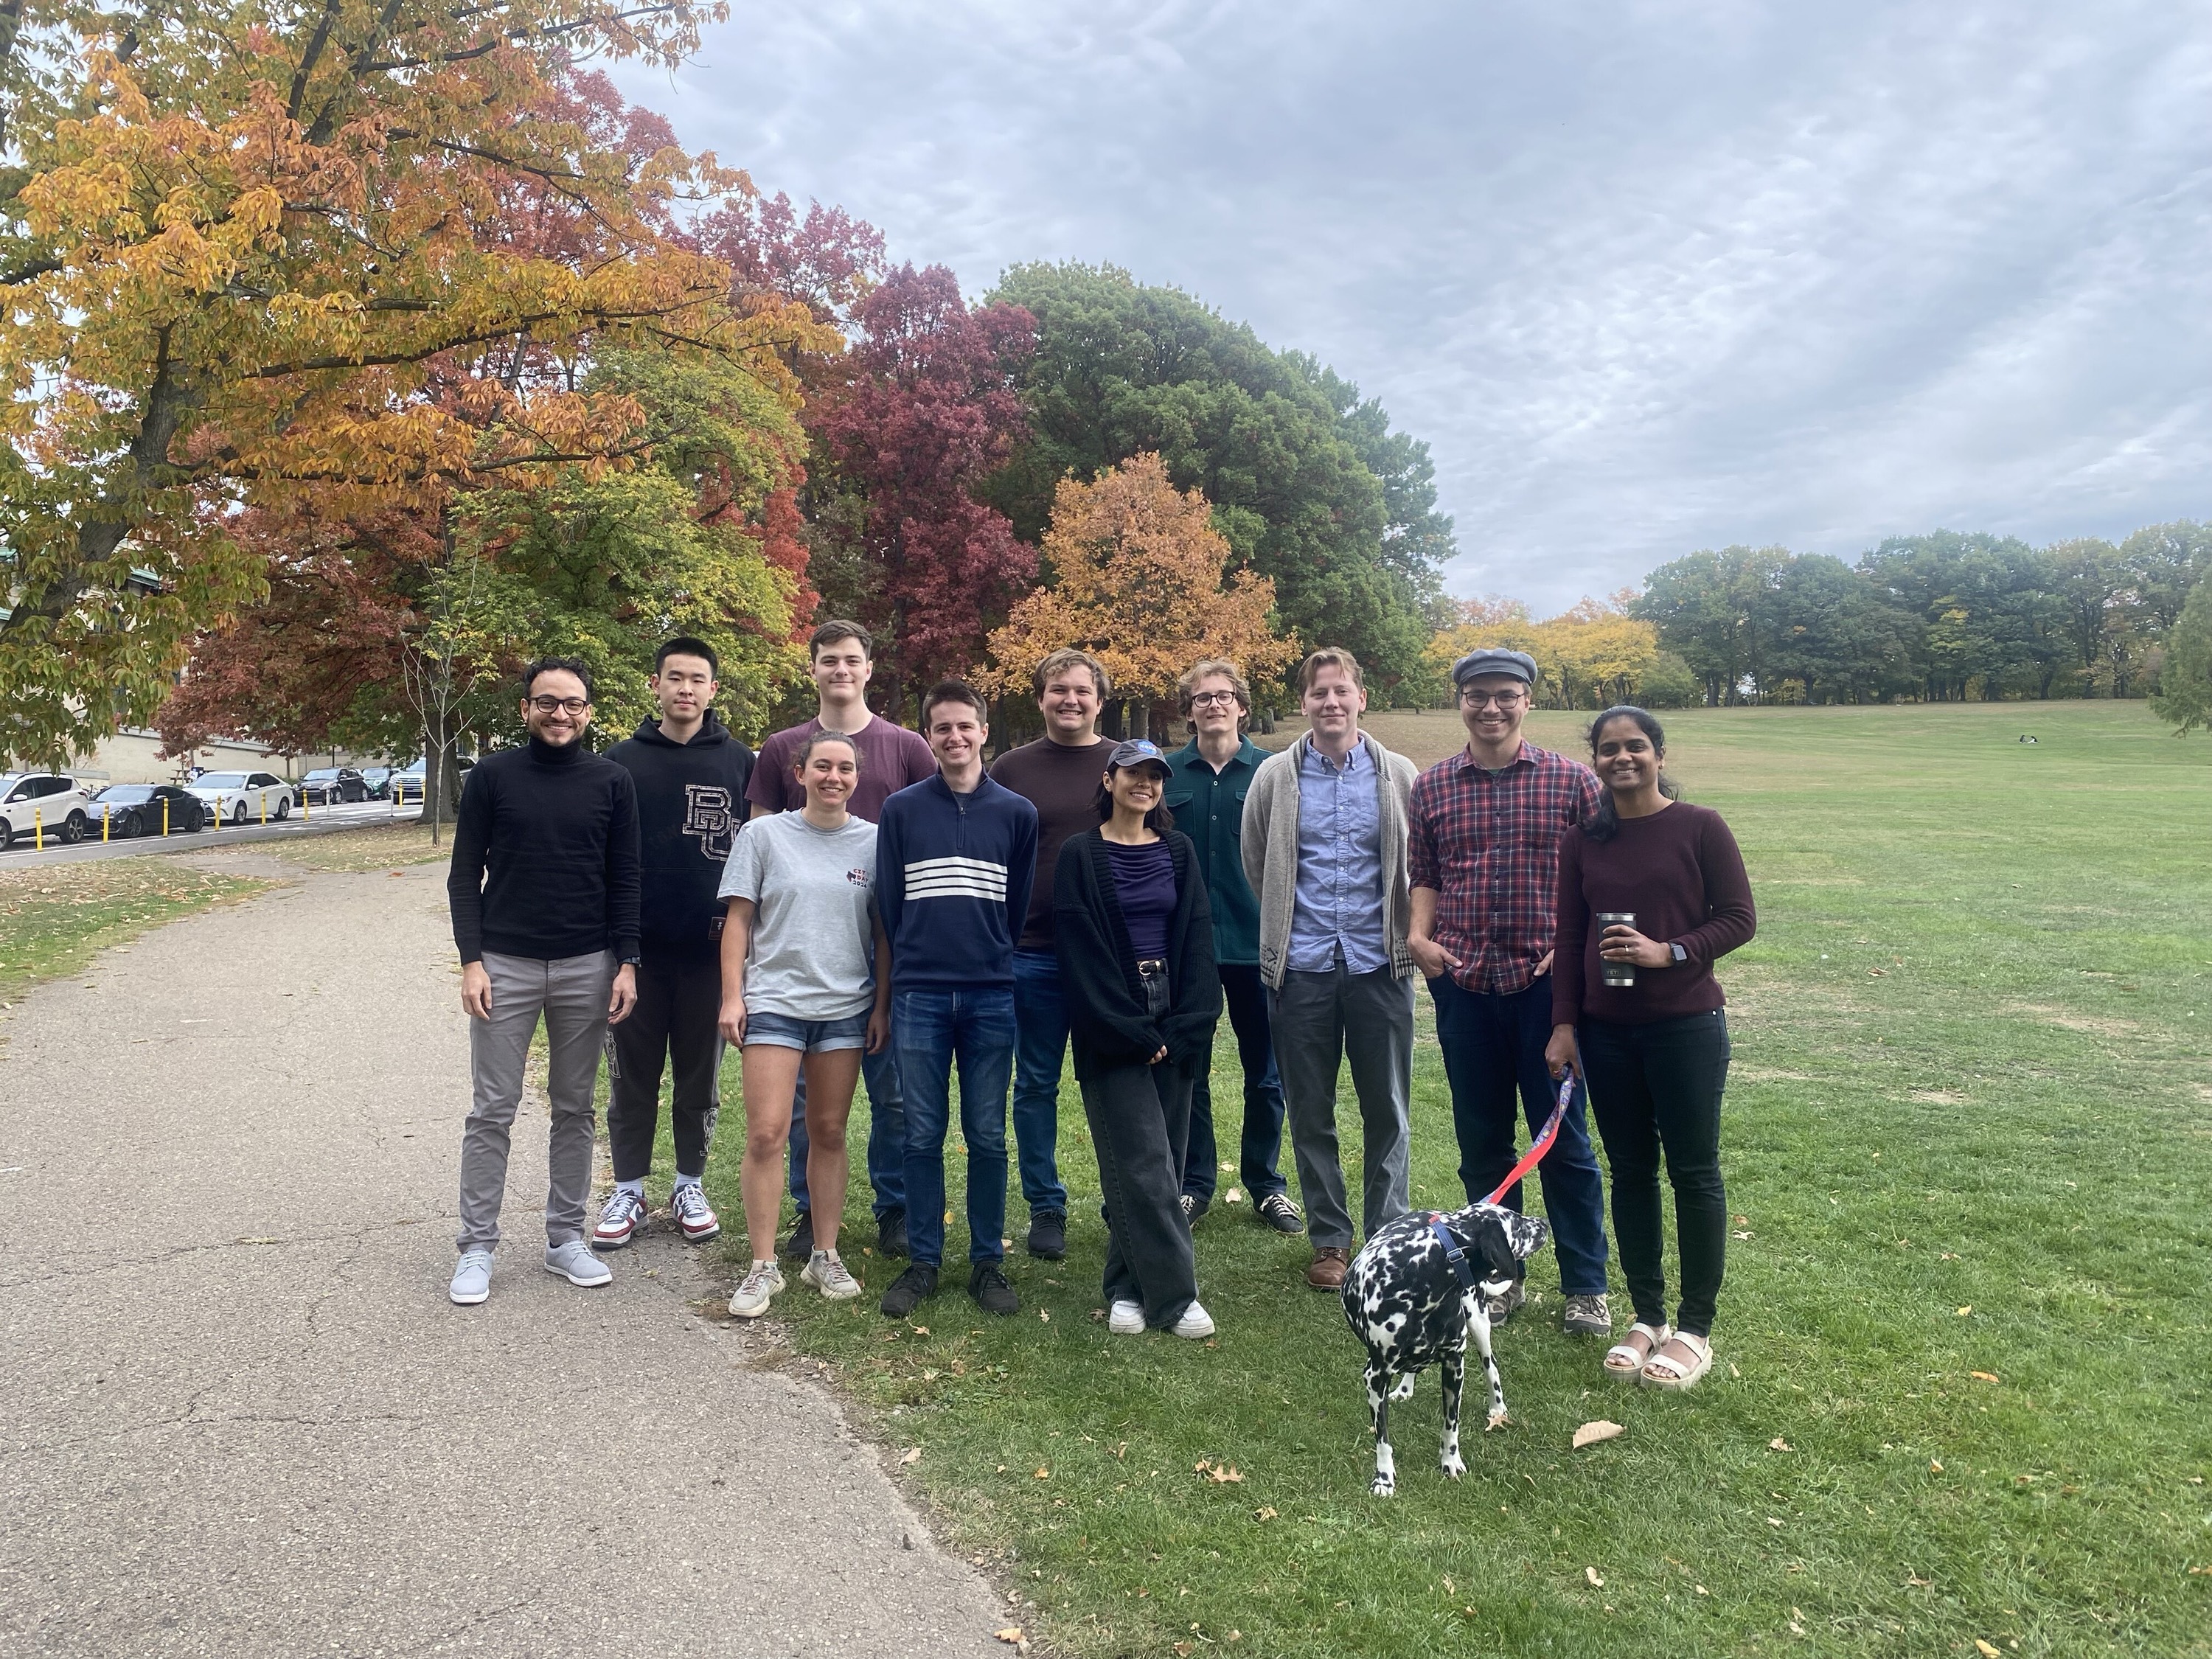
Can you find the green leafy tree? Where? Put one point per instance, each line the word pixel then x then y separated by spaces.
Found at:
pixel 1822 625
pixel 1310 488
pixel 1704 604
pixel 2184 694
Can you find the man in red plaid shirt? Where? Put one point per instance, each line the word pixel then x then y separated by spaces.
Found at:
pixel 1483 863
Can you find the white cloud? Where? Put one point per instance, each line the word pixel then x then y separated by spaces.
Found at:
pixel 1647 276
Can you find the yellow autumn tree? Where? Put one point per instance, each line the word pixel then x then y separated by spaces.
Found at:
pixel 1142 580
pixel 1589 655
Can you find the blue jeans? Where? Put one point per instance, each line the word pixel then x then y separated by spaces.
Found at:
pixel 1260 1145
pixel 886 1133
pixel 931 1029
pixel 1493 1048
pixel 1042 1019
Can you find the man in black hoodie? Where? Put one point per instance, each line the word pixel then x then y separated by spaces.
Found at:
pixel 690 775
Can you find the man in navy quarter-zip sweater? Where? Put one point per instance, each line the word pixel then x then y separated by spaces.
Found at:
pixel 954 857
pixel 544 891
pixel 691 776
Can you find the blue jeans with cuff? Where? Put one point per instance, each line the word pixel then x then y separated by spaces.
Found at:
pixel 1493 1049
pixel 933 1031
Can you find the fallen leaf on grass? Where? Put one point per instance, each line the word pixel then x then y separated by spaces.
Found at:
pixel 1595 1583
pixel 1590 1433
pixel 1234 1195
pixel 912 1455
pixel 1220 1473
pixel 1915 1581
pixel 1497 1422
pixel 1045 1314
pixel 1983 1376
pixel 1985 1649
pixel 1964 1311
pixel 1042 1473
pixel 1779 1444
pixel 1935 1467
pixel 1267 1512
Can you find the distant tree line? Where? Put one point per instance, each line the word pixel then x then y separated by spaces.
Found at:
pixel 1945 618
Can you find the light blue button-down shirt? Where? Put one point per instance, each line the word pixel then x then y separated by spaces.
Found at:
pixel 1340 884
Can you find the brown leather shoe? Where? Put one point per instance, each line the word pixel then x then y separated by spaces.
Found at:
pixel 1330 1266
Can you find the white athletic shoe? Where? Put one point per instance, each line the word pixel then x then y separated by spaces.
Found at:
pixel 574 1262
pixel 826 1272
pixel 1126 1319
pixel 472 1278
pixel 687 1204
pixel 1195 1322
pixel 752 1296
pixel 621 1220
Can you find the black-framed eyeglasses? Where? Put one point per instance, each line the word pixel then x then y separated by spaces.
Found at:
pixel 560 705
pixel 1484 699
pixel 1209 699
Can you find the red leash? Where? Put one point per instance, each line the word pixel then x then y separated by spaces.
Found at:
pixel 1535 1154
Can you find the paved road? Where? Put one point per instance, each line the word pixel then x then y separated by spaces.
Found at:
pixel 241 1419
pixel 321 820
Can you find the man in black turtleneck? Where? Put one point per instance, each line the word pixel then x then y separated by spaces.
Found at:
pixel 543 889
pixel 691 776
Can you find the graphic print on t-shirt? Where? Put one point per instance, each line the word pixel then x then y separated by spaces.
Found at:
pixel 706 815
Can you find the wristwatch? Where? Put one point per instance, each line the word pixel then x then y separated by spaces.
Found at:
pixel 1680 955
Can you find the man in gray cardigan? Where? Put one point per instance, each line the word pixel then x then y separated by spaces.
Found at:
pixel 1324 841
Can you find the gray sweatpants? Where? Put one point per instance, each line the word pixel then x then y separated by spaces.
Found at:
pixel 571 993
pixel 1320 1020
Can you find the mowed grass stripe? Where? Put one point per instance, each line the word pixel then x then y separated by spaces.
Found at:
pixel 1971 1074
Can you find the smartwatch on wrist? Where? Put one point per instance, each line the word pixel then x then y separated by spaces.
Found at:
pixel 1680 955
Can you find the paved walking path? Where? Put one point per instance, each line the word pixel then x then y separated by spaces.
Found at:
pixel 241 1418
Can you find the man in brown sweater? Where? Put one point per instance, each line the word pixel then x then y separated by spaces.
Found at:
pixel 1059 775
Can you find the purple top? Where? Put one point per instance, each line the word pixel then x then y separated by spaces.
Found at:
pixel 1144 883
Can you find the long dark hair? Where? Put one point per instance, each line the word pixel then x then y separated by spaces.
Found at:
pixel 1606 825
pixel 1159 820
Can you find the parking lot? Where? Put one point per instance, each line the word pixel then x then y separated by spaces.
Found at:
pixel 317 820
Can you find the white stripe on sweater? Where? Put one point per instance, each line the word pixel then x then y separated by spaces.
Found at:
pixel 956 878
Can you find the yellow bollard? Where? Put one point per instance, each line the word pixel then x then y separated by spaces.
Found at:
pixel 306 817
pixel 265 809
pixel 38 828
pixel 217 824
pixel 104 811
pixel 165 815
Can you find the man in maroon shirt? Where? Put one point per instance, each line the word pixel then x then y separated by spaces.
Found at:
pixel 842 657
pixel 1482 860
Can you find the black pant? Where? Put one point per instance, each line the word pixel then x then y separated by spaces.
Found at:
pixel 1656 1088
pixel 1260 1144
pixel 679 1003
pixel 1141 1124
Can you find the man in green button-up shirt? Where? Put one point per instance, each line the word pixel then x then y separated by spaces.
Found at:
pixel 1207 782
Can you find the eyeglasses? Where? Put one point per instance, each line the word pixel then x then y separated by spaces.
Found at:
pixel 1209 699
pixel 560 705
pixel 1484 699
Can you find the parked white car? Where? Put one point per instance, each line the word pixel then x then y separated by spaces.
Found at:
pixel 48 802
pixel 244 797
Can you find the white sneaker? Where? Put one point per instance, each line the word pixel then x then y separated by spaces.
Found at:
pixel 687 1204
pixel 472 1278
pixel 1195 1322
pixel 826 1272
pixel 621 1220
pixel 574 1262
pixel 1126 1319
pixel 752 1297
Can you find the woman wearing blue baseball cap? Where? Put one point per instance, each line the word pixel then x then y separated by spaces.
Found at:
pixel 1134 934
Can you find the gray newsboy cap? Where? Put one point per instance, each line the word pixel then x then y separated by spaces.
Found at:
pixel 1492 660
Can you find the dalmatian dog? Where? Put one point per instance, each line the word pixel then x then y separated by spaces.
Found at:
pixel 1414 1293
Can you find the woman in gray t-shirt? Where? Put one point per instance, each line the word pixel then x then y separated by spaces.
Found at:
pixel 805 981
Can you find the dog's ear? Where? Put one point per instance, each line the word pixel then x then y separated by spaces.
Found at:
pixel 1527 1233
pixel 1495 1243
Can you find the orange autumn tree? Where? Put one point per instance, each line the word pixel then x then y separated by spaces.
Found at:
pixel 363 253
pixel 1142 580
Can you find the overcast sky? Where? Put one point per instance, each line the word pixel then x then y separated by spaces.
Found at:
pixel 1648 278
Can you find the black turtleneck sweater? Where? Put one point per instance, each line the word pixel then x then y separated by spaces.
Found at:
pixel 545 856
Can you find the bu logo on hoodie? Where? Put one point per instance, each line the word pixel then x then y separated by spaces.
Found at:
pixel 706 815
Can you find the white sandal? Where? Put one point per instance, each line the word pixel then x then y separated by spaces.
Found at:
pixel 1663 1372
pixel 1624 1360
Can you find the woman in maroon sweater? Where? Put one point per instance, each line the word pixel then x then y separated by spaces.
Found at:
pixel 1654 1052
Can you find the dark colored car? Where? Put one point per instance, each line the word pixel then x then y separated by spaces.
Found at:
pixel 136 809
pixel 328 786
pixel 379 780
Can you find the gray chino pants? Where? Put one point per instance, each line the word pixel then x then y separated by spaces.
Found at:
pixel 571 993
pixel 1319 1021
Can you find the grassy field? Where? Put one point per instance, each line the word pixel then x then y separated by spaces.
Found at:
pixel 1960 1397
pixel 55 918
pixel 374 846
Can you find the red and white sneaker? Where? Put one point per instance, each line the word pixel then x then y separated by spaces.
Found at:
pixel 622 1220
pixel 687 1204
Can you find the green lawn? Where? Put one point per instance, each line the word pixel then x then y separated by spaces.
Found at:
pixel 1962 1389
pixel 55 918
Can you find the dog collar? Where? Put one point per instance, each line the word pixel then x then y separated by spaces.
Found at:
pixel 1453 1253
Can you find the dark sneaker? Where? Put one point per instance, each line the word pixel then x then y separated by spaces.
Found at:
pixel 1277 1210
pixel 1588 1316
pixel 1048 1239
pixel 1504 1305
pixel 1193 1208
pixel 799 1247
pixel 891 1233
pixel 987 1284
pixel 910 1290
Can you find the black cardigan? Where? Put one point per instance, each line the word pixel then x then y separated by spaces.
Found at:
pixel 1106 1018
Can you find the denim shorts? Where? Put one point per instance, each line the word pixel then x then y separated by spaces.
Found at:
pixel 812 1036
